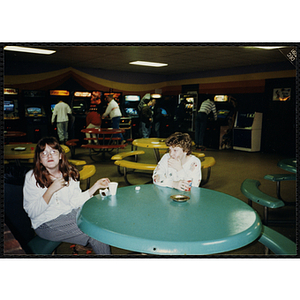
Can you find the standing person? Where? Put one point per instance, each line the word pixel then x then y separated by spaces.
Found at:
pixel 114 112
pixel 93 120
pixel 52 196
pixel 179 116
pixel 179 164
pixel 146 118
pixel 157 115
pixel 61 110
pixel 201 120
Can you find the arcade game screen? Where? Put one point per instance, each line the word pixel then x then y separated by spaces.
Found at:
pixel 52 107
pixel 130 111
pixel 131 103
pixel 79 106
pixel 163 111
pixel 34 110
pixel 9 106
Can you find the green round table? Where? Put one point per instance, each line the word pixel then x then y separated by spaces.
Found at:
pixel 149 221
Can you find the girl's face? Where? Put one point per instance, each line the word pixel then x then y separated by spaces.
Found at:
pixel 176 153
pixel 50 158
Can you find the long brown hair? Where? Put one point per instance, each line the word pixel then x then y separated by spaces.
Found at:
pixel 41 174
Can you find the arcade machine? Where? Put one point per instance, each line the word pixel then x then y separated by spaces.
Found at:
pixel 12 118
pixel 190 110
pixel 168 104
pixel 131 115
pixel 80 105
pixel 247 131
pixel 220 133
pixel 35 115
pixel 54 97
pixel 106 123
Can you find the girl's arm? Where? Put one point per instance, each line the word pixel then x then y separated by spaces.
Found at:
pixel 33 201
pixel 100 184
pixel 160 174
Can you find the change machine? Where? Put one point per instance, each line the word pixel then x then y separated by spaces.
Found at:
pixel 247 131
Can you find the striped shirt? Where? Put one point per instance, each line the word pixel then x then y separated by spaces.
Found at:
pixel 207 106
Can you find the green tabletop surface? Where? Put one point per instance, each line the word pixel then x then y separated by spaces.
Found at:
pixel 149 221
pixel 288 164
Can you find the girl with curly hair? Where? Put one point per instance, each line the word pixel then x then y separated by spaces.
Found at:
pixel 178 165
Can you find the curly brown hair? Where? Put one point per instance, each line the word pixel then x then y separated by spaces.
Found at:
pixel 41 174
pixel 179 139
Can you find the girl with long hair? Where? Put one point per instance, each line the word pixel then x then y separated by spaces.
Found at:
pixel 52 196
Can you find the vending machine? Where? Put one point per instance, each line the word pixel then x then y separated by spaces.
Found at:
pixel 247 131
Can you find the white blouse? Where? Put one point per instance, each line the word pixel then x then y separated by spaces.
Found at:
pixel 61 203
pixel 164 175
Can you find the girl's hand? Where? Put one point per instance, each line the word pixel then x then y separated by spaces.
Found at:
pixel 181 185
pixel 99 184
pixel 175 164
pixel 58 184
pixel 103 183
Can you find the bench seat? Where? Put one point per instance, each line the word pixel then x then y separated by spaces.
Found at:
pixel 86 173
pixel 276 242
pixel 91 146
pixel 126 164
pixel 100 138
pixel 122 155
pixel 77 162
pixel 250 189
pixel 278 178
pixel 135 165
pixel 72 144
pixel 206 163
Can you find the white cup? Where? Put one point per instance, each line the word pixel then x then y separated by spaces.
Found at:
pixel 113 187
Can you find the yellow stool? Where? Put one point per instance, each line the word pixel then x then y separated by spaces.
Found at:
pixel 86 173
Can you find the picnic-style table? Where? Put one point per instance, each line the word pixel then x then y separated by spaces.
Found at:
pixel 105 141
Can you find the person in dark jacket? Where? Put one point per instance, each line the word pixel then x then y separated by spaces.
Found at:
pixel 146 118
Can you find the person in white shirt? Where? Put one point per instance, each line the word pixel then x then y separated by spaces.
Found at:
pixel 201 120
pixel 61 111
pixel 176 167
pixel 52 197
pixel 114 112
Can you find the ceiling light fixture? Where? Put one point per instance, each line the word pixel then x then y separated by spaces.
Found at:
pixel 148 64
pixel 266 47
pixel 29 50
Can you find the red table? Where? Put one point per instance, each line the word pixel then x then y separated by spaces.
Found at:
pixel 104 143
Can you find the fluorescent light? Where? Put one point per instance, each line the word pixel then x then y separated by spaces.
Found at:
pixel 156 96
pixel 266 47
pixel 29 50
pixel 147 63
